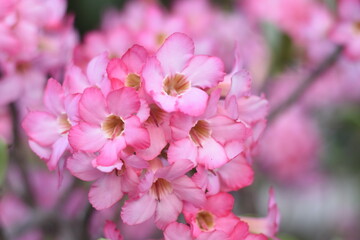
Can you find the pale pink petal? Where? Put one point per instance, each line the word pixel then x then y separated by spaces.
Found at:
pixel 123 102
pixel 226 129
pixel 212 105
pixel 181 125
pixel 176 151
pixel 213 186
pixel 252 109
pixel 96 69
pixel 130 182
pixel 177 231
pixel 187 191
pixel 241 231
pixel 144 111
pixel 79 164
pixel 58 149
pixel 236 174
pixel 111 232
pixel 175 170
pixel 75 81
pixel 138 210
pixel 85 137
pixel 153 76
pixel 106 191
pixel 71 103
pixel 117 72
pixel 168 210
pixel 135 58
pixel 166 102
pixel 193 102
pixel 41 127
pixel 214 235
pixel 109 152
pixel 92 106
pixel 211 154
pixel 204 71
pixel 136 135
pixel 255 237
pixel 240 84
pixel 136 161
pixel 41 151
pixel 234 148
pixel 220 204
pixel 157 143
pixel 53 97
pixel 175 53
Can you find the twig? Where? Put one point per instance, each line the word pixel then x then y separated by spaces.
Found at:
pixel 18 156
pixel 306 83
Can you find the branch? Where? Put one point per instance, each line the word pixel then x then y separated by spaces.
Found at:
pixel 306 83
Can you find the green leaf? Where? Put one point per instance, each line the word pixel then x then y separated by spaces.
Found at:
pixel 3 161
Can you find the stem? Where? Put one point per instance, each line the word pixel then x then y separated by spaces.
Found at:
pixel 18 156
pixel 306 83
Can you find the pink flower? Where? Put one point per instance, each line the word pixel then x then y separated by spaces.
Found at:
pixel 162 193
pixel 211 140
pixel 108 125
pixel 48 130
pixel 176 78
pixel 110 187
pixel 232 176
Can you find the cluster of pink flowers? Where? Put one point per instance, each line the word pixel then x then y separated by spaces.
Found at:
pixel 157 127
pixel 37 39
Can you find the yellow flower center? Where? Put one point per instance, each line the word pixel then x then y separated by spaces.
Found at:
pixel 175 85
pixel 205 220
pixel 113 126
pixel 200 131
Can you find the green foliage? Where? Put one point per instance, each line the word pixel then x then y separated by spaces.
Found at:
pixel 3 161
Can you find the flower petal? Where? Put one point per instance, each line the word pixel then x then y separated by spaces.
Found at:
pixel 138 210
pixel 187 191
pixel 92 106
pixel 85 137
pixel 106 191
pixel 79 164
pixel 175 53
pixel 168 210
pixel 177 231
pixel 211 154
pixel 123 102
pixel 53 97
pixel 193 102
pixel 136 135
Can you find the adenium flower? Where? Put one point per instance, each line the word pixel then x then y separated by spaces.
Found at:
pixel 162 192
pixel 176 78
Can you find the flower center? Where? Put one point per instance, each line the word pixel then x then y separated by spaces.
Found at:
pixel 64 124
pixel 160 38
pixel 200 131
pixel 175 85
pixel 205 220
pixel 160 188
pixel 357 27
pixel 113 126
pixel 157 115
pixel 133 80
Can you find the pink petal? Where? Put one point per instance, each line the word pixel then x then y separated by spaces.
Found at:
pixel 176 151
pixel 41 151
pixel 136 135
pixel 175 170
pixel 240 84
pixel 92 106
pixel 177 231
pixel 144 111
pixel 211 154
pixel 96 69
pixel 181 125
pixel 234 148
pixel 214 235
pixel 157 143
pixel 187 191
pixel 252 109
pixel 204 71
pixel 58 149
pixel 138 210
pixel 53 97
pixel 41 127
pixel 111 232
pixel 135 58
pixel 241 231
pixel 153 76
pixel 168 210
pixel 193 102
pixel 226 129
pixel 220 204
pixel 117 72
pixel 109 152
pixel 85 137
pixel 123 102
pixel 106 191
pixel 236 174
pixel 130 182
pixel 75 81
pixel 79 164
pixel 175 53
pixel 166 102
